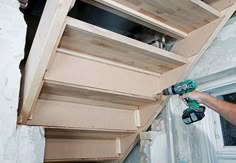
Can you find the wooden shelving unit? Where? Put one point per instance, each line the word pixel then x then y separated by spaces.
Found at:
pixel 92 89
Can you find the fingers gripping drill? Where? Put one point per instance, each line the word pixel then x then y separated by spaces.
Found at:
pixel 194 112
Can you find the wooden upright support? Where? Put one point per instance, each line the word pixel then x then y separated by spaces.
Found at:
pixel 48 35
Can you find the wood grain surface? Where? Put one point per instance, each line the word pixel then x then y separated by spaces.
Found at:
pixel 86 38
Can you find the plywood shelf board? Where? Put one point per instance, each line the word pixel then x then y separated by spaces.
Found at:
pixel 86 38
pixel 188 47
pixel 81 134
pixel 62 89
pixel 140 18
pixel 93 102
pixel 184 15
pixel 80 149
pixel 83 117
pixel 78 71
pixel 220 4
pixel 105 61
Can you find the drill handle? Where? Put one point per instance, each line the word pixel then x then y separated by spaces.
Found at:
pixel 190 102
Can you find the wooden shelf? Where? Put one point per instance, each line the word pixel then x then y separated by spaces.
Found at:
pixel 87 149
pixel 82 134
pixel 86 38
pixel 86 145
pixel 82 73
pixel 93 96
pixel 67 115
pixel 139 18
pixel 183 16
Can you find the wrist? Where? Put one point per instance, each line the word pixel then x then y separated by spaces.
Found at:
pixel 202 98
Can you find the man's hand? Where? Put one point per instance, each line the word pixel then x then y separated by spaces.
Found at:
pixel 195 95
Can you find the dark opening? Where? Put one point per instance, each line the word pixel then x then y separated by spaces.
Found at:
pixel 228 129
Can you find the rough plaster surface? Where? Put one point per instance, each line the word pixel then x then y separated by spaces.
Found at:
pixel 221 55
pixel 159 151
pixel 20 144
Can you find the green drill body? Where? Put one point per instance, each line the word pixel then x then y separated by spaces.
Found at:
pixel 194 112
pixel 181 88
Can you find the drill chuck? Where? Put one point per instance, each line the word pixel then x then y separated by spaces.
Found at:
pixel 169 91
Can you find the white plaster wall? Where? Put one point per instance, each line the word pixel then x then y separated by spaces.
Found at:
pixel 221 55
pixel 20 144
pixel 159 151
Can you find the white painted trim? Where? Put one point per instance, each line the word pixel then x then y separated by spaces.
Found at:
pixel 218 130
pixel 170 137
pixel 210 143
pixel 137 118
pixel 118 145
pixel 217 80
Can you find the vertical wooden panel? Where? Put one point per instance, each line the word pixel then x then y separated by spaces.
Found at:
pixel 46 40
pixel 80 149
pixel 79 116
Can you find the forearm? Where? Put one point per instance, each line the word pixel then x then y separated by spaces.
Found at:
pixel 225 109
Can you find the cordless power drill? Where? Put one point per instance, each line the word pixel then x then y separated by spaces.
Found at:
pixel 194 112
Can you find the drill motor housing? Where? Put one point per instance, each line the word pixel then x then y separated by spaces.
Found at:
pixel 181 88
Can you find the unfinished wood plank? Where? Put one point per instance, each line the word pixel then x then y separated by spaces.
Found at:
pixel 105 61
pixel 220 4
pixel 71 99
pixel 81 134
pixel 46 39
pixel 83 92
pixel 154 25
pixel 121 10
pixel 127 145
pixel 80 150
pixel 171 77
pixel 84 117
pixel 184 15
pixel 149 112
pixel 207 7
pixel 196 40
pixel 82 72
pixel 86 38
